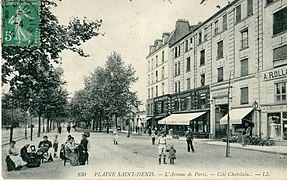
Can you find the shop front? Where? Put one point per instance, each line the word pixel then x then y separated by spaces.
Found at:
pixel 276 121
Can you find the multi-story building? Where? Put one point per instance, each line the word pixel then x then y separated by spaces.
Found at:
pixel 273 75
pixel 157 76
pixel 236 62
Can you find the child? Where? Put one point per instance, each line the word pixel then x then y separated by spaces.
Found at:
pixel 153 137
pixel 172 152
pixel 55 146
pixel 116 136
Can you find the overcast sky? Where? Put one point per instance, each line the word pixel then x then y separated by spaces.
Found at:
pixel 129 27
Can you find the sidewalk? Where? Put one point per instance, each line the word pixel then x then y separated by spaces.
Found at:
pixel 277 149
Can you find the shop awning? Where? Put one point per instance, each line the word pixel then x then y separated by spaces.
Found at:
pixel 236 115
pixel 180 119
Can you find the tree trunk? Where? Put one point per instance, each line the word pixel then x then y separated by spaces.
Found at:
pixel 39 127
pixel 51 121
pixel 93 124
pixel 101 123
pixel 43 125
pixel 48 123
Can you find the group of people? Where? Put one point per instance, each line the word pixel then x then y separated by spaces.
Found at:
pixel 163 149
pixel 75 153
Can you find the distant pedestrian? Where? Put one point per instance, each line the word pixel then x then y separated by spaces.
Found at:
pixel 59 129
pixel 56 146
pixel 189 137
pixel 153 137
pixel 149 131
pixel 116 136
pixel 162 147
pixel 69 129
pixel 246 135
pixel 172 156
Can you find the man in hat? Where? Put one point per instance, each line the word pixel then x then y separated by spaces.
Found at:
pixel 189 137
pixel 162 147
pixel 83 154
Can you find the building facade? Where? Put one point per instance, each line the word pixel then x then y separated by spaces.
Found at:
pixel 236 62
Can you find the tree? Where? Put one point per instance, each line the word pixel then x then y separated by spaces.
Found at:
pixel 29 70
pixel 106 92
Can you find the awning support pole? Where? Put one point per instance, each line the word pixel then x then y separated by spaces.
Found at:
pixel 228 120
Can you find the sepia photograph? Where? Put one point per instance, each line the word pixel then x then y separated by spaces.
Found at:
pixel 144 89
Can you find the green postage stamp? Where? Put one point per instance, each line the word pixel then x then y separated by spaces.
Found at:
pixel 20 23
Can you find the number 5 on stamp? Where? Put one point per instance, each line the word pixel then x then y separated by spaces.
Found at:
pixel 20 26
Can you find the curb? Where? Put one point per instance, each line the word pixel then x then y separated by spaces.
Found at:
pixel 263 151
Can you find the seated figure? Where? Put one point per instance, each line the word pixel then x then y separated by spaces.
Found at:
pixel 45 148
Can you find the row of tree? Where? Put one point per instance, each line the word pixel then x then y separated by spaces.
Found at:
pixel 106 95
pixel 35 84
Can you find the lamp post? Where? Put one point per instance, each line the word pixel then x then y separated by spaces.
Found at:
pixel 228 120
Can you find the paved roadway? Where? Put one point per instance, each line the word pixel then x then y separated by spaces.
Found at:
pixel 135 157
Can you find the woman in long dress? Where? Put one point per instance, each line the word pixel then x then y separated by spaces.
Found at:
pixel 71 152
pixel 13 153
pixel 17 19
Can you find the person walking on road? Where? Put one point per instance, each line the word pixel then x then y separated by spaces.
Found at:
pixel 153 137
pixel 162 147
pixel 116 136
pixel 56 146
pixel 69 129
pixel 189 138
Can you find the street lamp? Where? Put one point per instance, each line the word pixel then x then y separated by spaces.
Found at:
pixel 228 120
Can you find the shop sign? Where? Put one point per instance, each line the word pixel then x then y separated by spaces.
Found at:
pixel 278 108
pixel 275 74
pixel 221 100
pixel 223 92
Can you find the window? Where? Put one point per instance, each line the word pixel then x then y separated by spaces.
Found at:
pixel 280 21
pixel 178 86
pixel 244 39
pixel 175 87
pixel 216 27
pixel 199 37
pixel 162 57
pixel 156 76
pixel 156 61
pixel 148 79
pixel 151 77
pixel 220 49
pixel 202 79
pixel 244 67
pixel 238 13
pixel 175 52
pixel 188 64
pixel 162 88
pixel 151 63
pixel 162 73
pixel 280 94
pixel 280 54
pixel 148 65
pixel 224 24
pixel 269 2
pixel 249 7
pixel 205 34
pixel 178 51
pixel 220 74
pixel 202 57
pixel 244 95
pixel 188 86
pixel 186 45
pixel 148 93
pixel 190 40
pixel 178 71
pixel 156 91
pixel 151 92
pixel 175 69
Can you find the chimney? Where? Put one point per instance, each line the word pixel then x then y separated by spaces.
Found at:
pixel 165 37
pixel 151 49
pixel 181 23
pixel 158 43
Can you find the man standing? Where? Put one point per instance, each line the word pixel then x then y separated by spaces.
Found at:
pixel 189 138
pixel 162 147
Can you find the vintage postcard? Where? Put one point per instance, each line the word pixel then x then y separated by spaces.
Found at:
pixel 144 89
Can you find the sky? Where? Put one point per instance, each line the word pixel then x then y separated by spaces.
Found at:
pixel 130 27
